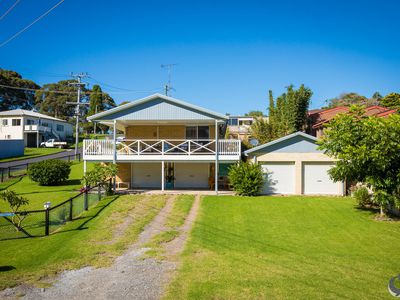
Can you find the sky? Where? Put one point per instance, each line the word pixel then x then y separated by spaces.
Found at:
pixel 228 53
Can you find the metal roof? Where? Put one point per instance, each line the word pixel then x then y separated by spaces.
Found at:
pixel 287 137
pixel 23 112
pixel 157 107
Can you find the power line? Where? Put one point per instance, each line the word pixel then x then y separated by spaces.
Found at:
pixel 31 24
pixel 10 9
pixel 123 89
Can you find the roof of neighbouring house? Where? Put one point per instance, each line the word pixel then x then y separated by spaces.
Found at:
pixel 157 107
pixel 297 135
pixel 319 118
pixel 24 112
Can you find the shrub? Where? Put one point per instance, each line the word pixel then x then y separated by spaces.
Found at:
pixel 246 178
pixel 363 196
pixel 49 172
pixel 101 174
pixel 15 202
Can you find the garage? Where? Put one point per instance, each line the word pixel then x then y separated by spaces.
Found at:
pixel 192 175
pixel 279 178
pixel 316 180
pixel 146 175
pixel 294 165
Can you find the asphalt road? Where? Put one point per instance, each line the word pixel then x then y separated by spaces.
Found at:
pixel 21 164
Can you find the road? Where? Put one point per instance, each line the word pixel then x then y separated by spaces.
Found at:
pixel 21 164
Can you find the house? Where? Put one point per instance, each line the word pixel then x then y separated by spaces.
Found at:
pixel 167 143
pixel 32 127
pixel 320 117
pixel 294 165
pixel 239 127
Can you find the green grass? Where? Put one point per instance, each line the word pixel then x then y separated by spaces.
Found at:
pixel 94 239
pixel 38 195
pixel 33 152
pixel 287 247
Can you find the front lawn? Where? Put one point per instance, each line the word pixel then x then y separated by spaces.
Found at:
pixel 287 247
pixel 33 152
pixel 96 238
pixel 38 195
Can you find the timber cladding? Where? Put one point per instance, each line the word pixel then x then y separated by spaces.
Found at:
pixel 124 172
pixel 159 132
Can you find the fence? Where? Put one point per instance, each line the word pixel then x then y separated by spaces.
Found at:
pixel 46 221
pixel 7 173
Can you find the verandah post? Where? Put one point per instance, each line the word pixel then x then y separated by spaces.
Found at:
pixel 216 157
pixel 115 151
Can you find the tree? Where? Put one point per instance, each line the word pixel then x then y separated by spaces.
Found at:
pixel 15 202
pixel 347 99
pixel 53 97
pixel 391 100
pixel 123 103
pixel 98 102
pixel 16 98
pixel 254 113
pixel 100 175
pixel 367 150
pixel 261 130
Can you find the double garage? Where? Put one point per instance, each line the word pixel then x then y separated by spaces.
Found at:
pixel 295 165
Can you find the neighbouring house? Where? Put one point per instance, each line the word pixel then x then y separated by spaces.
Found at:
pixel 239 127
pixel 167 144
pixel 294 165
pixel 32 127
pixel 319 117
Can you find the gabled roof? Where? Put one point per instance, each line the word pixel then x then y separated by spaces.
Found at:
pixel 23 112
pixel 282 139
pixel 171 106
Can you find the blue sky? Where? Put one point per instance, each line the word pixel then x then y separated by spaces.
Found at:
pixel 229 53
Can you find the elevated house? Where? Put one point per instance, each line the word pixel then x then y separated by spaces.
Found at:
pixel 167 144
pixel 32 127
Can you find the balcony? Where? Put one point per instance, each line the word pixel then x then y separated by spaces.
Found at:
pixel 161 150
pixel 36 128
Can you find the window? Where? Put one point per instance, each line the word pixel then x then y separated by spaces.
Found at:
pixel 60 127
pixel 45 124
pixel 8 137
pixel 5 122
pixel 30 122
pixel 233 122
pixel 16 122
pixel 197 132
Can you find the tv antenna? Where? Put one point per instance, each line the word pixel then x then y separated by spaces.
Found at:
pixel 168 87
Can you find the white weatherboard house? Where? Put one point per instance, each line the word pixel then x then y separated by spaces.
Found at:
pixel 32 127
pixel 294 165
pixel 167 144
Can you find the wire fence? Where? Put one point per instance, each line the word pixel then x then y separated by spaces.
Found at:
pixel 7 173
pixel 43 222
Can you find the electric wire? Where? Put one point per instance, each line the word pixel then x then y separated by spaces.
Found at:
pixel 9 10
pixel 31 24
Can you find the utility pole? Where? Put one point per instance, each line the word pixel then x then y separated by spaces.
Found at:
pixel 78 103
pixel 168 87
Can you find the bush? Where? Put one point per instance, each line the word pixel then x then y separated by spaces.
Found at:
pixel 363 197
pixel 246 178
pixel 49 172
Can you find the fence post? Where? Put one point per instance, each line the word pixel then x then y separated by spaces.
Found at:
pixel 2 174
pixel 79 157
pixel 99 192
pixel 69 158
pixel 70 209
pixel 47 221
pixel 9 172
pixel 85 203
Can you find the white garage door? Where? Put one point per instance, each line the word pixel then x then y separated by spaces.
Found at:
pixel 146 175
pixel 191 175
pixel 316 180
pixel 280 178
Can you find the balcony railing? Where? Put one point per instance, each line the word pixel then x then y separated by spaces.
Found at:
pixel 161 147
pixel 35 127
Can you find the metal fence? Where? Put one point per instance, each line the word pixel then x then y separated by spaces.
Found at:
pixel 46 221
pixel 7 173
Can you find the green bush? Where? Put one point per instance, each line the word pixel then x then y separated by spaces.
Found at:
pixel 246 178
pixel 49 172
pixel 363 196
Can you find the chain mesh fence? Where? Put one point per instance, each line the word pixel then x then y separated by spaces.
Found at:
pixel 43 222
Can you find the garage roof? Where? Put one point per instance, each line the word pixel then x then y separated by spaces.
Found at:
pixel 286 142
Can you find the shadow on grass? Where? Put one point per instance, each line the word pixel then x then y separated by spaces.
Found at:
pixel 88 218
pixel 6 268
pixel 12 183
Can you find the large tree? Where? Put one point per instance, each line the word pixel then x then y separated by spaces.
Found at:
pixel 367 150
pixel 391 100
pixel 347 99
pixel 18 97
pixel 98 102
pixel 53 97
